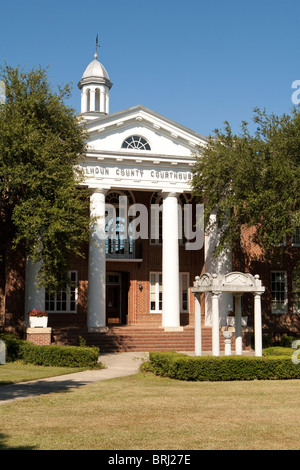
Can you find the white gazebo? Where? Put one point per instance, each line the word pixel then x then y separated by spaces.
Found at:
pixel 236 283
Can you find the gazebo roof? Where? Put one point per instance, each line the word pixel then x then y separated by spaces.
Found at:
pixel 234 282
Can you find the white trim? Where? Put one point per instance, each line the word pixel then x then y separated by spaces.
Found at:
pixel 156 291
pixel 181 292
pixel 181 274
pixel 295 292
pixel 68 298
pixel 285 302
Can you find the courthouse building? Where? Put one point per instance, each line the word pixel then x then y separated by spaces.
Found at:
pixel 148 244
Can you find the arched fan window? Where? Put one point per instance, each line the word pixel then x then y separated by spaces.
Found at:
pixel 136 142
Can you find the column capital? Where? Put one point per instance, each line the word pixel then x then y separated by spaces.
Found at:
pixel 257 294
pixel 215 293
pixel 166 194
pixel 97 190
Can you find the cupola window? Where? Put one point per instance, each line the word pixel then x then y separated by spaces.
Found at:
pixel 136 142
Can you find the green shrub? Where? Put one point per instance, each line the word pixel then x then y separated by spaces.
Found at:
pixel 12 344
pixel 278 351
pixel 61 356
pixel 222 368
pixel 287 341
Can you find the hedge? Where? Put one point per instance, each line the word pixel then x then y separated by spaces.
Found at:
pixel 221 368
pixel 12 344
pixel 52 355
pixel 60 356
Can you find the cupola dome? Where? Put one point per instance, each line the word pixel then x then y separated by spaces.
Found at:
pixel 95 86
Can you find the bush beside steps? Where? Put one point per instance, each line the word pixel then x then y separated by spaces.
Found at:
pixel 50 355
pixel 222 368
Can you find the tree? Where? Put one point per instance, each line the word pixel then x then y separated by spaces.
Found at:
pixel 252 180
pixel 43 209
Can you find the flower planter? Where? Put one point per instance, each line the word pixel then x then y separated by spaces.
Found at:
pixel 38 322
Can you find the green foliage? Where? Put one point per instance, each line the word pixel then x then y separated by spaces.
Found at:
pixel 287 341
pixel 252 180
pixel 222 368
pixel 278 351
pixel 60 356
pixel 12 344
pixel 41 144
pixel 52 355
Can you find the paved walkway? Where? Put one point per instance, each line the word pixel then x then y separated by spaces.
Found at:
pixel 117 365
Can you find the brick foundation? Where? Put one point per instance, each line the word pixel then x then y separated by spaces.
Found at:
pixel 39 336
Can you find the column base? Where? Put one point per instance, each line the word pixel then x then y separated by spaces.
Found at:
pixel 172 328
pixel 98 329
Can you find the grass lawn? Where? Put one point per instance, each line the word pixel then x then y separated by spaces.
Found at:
pixel 152 413
pixel 14 372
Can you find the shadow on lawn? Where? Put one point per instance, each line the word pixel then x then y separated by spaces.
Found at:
pixel 3 445
pixel 41 387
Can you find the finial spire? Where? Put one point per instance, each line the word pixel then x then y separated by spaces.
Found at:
pixel 97 45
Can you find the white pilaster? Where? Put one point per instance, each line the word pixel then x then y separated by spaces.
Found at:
pixel 238 324
pixel 215 324
pixel 34 297
pixel 170 264
pixel 198 332
pixel 97 264
pixel 257 324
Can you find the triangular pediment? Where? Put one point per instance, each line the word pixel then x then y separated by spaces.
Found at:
pixel 165 136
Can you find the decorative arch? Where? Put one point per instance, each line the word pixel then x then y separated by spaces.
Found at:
pixel 136 142
pixel 112 197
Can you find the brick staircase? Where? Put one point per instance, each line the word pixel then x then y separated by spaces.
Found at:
pixel 137 338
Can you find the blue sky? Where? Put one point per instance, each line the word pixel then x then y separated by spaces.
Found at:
pixel 196 62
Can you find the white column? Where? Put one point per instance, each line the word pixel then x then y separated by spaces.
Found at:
pixel 92 100
pixel 238 324
pixel 215 324
pixel 198 333
pixel 84 101
pixel 107 103
pixel 257 324
pixel 34 297
pixel 170 263
pixel 97 264
pixel 102 101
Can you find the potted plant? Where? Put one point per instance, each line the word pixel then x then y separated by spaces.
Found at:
pixel 38 318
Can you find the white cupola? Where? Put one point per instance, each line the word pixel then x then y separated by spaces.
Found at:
pixel 95 86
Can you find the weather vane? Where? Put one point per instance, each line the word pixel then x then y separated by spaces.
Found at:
pixel 97 45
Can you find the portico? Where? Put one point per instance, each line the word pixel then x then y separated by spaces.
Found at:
pixel 236 283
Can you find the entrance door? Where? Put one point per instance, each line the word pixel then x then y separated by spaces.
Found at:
pixel 113 298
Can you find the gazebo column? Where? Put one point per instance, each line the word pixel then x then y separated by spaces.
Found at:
pixel 198 332
pixel 238 324
pixel 257 324
pixel 170 262
pixel 215 296
pixel 97 264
